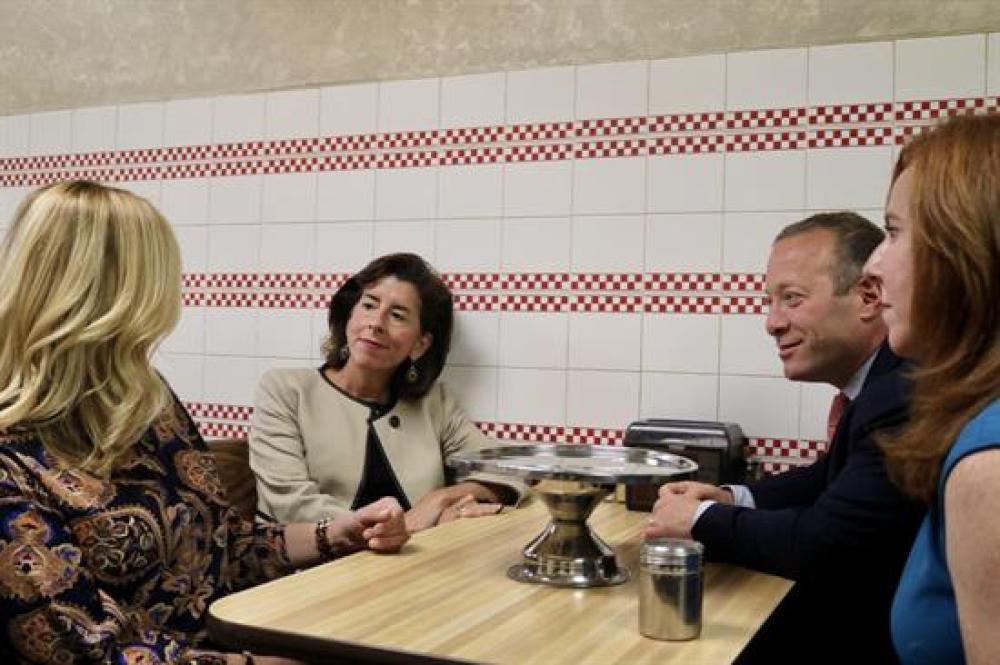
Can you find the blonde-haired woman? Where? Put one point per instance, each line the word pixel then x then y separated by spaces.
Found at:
pixel 114 531
pixel 940 272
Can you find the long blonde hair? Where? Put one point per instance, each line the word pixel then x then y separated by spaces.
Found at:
pixel 89 285
pixel 955 306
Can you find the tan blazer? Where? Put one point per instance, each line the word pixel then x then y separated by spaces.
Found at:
pixel 307 445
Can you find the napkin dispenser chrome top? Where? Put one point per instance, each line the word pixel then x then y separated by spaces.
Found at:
pixel 718 448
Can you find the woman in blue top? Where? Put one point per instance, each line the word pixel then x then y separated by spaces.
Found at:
pixel 940 272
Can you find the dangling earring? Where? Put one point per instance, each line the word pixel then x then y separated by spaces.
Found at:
pixel 344 352
pixel 412 374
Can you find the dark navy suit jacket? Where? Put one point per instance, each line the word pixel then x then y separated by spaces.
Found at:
pixel 838 527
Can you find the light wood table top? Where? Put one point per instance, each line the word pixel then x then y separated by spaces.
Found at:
pixel 446 597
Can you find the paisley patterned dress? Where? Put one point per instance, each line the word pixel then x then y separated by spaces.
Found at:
pixel 121 570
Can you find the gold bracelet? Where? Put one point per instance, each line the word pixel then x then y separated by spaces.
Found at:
pixel 323 545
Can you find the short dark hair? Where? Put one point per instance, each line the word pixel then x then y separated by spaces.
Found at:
pixel 856 238
pixel 436 318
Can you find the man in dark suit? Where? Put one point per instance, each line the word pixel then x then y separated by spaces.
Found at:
pixel 838 527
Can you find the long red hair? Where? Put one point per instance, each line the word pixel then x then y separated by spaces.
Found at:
pixel 956 297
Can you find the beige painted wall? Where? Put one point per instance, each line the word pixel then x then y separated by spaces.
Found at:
pixel 74 53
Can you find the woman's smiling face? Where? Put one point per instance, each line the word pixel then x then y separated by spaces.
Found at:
pixel 384 328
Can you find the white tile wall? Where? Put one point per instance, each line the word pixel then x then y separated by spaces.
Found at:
pixel 406 193
pixel 608 243
pixel 533 341
pixel 187 122
pixel 609 186
pixel 541 95
pixel 675 395
pixel 766 79
pixel 140 126
pixel 684 242
pixel 612 90
pixel 238 118
pixel 288 197
pixel 409 105
pixel 473 101
pixel 349 110
pixel 94 129
pixel 475 388
pixel 291 114
pixel 850 73
pixel 342 195
pixel 50 133
pixel 531 396
pixel 471 191
pixel 602 399
pixel 687 85
pixel 941 67
pixel 468 245
pixel 538 189
pixel 688 183
pixel 711 213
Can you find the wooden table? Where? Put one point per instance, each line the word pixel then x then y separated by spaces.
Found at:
pixel 446 598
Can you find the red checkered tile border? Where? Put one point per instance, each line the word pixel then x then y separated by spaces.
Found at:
pixel 754 118
pixel 465 302
pixel 349 162
pixel 544 152
pixel 348 143
pixel 622 281
pixel 285 280
pixel 610 126
pixel 743 305
pixel 852 137
pixel 804 449
pixel 526 432
pixel 272 300
pixel 682 304
pixel 594 436
pixel 943 108
pixel 219 411
pixel 471 135
pixel 687 122
pixel 682 145
pixel 416 139
pixel 472 156
pixel 606 303
pixel 471 280
pixel 742 282
pixel 519 302
pixel 405 160
pixel 614 148
pixel 331 281
pixel 524 281
pixel 223 430
pixel 766 141
pixel 831 126
pixel 539 131
pixel 233 420
pixel 681 281
pixel 851 114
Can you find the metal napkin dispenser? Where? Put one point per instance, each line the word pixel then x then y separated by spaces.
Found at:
pixel 718 448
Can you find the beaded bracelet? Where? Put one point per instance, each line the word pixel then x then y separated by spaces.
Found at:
pixel 322 542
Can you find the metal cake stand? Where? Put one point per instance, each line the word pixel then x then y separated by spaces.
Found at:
pixel 572 480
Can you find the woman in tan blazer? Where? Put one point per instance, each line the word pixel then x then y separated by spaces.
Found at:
pixel 373 421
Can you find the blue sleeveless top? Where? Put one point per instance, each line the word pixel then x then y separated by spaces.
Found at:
pixel 924 614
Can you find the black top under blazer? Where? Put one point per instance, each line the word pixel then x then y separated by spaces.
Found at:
pixel 838 527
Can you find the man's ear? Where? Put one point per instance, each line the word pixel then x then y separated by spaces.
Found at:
pixel 421 346
pixel 869 289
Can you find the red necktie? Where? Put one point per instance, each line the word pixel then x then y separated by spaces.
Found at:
pixel 837 407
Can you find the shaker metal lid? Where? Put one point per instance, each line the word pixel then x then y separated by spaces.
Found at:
pixel 672 552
